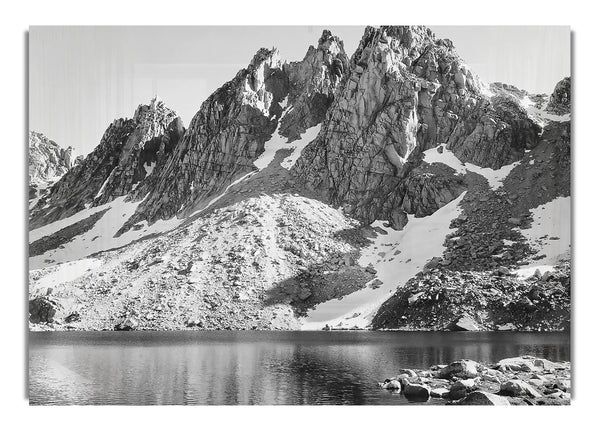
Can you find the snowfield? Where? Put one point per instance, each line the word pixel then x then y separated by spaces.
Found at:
pixel 550 232
pixel 63 273
pixel 494 178
pixel 100 237
pixel 397 256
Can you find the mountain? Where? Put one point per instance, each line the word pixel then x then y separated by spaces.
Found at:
pixel 335 190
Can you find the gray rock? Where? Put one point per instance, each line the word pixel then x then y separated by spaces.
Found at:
pixel 515 388
pixel 42 310
pixel 127 324
pixel 463 369
pixel 480 398
pixel 461 388
pixel 392 385
pixel 415 392
pixel 464 323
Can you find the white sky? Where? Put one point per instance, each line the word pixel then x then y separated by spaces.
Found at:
pixel 81 78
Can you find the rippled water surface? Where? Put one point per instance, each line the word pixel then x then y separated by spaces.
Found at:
pixel 252 367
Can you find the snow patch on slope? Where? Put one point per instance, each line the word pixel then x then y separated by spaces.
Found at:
pixel 63 273
pixel 278 142
pixel 100 237
pixel 540 115
pixel 397 256
pixel 299 145
pixel 550 231
pixel 495 177
pixel 273 145
pixel 103 185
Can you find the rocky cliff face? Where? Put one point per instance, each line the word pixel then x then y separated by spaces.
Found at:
pixel 230 131
pixel 560 99
pixel 312 83
pixel 406 92
pixel 128 153
pixel 48 161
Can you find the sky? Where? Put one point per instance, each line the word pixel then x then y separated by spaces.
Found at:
pixel 82 78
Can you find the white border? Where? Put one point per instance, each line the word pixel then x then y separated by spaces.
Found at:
pixel 17 16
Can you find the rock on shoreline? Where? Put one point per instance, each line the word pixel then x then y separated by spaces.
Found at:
pixel 523 380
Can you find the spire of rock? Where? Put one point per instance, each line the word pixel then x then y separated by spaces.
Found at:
pixel 129 151
pixel 312 84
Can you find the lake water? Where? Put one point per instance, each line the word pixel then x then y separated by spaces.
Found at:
pixel 229 367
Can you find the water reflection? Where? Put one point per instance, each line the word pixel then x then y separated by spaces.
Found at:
pixel 252 367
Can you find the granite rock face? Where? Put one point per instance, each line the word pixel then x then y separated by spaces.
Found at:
pixel 560 99
pixel 224 138
pixel 126 155
pixel 231 128
pixel 312 84
pixel 158 130
pixel 407 91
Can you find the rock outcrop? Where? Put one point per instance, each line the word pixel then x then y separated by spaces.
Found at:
pixel 560 99
pixel 491 300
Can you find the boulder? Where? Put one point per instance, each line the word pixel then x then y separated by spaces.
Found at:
pixel 416 392
pixel 73 317
pixel 519 363
pixel 461 388
pixel 515 388
pixel 464 369
pixel 480 398
pixel 392 385
pixel 42 310
pixel 127 324
pixel 408 372
pixel 464 323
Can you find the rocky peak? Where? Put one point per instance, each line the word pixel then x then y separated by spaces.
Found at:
pixel 407 41
pixel 48 161
pixel 129 151
pixel 560 99
pixel 407 92
pixel 231 128
pixel 157 131
pixel 312 84
pixel 257 76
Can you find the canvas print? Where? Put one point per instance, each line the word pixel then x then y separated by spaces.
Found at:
pixel 299 215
